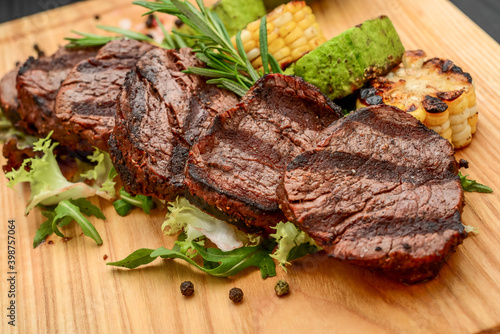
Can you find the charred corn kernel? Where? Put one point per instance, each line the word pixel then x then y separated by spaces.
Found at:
pixel 436 119
pixel 419 114
pixel 285 61
pixel 292 31
pixel 300 51
pixel 437 86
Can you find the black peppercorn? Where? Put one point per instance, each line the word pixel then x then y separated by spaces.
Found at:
pixel 236 295
pixel 281 288
pixel 150 21
pixel 187 288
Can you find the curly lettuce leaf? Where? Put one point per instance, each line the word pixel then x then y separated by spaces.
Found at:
pixel 183 216
pixel 103 173
pixel 292 243
pixel 48 185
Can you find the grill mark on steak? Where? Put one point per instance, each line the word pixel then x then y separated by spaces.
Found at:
pixel 38 82
pixel 161 112
pixel 86 101
pixel 235 168
pixel 381 191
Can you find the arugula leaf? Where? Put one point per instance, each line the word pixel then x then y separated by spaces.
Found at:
pixel 140 201
pixel 45 229
pixel 87 208
pixel 66 208
pixel 138 258
pixel 64 213
pixel 122 207
pixel 472 185
pixel 216 262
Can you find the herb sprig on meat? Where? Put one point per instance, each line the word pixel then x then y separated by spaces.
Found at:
pixel 229 67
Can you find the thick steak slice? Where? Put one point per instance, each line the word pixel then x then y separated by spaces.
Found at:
pixel 86 102
pixel 38 82
pixel 161 112
pixel 8 96
pixel 234 170
pixel 381 191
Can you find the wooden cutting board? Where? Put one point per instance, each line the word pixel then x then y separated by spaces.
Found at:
pixel 65 286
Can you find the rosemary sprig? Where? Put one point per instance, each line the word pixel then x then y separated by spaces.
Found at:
pixel 228 66
pixel 89 40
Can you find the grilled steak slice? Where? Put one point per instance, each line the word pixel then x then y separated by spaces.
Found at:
pixel 86 102
pixel 380 191
pixel 161 112
pixel 38 82
pixel 236 167
pixel 8 96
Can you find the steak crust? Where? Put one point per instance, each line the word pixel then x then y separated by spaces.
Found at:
pixel 8 96
pixel 380 191
pixel 161 112
pixel 38 82
pixel 86 102
pixel 233 171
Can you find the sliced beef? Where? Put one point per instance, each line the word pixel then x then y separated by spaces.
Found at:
pixel 38 82
pixel 380 191
pixel 86 102
pixel 8 96
pixel 234 170
pixel 161 112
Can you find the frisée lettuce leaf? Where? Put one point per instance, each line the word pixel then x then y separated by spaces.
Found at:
pixel 292 243
pixel 183 216
pixel 48 184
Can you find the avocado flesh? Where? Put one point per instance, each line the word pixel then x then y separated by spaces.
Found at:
pixel 346 62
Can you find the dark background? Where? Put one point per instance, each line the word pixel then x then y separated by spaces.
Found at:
pixel 486 13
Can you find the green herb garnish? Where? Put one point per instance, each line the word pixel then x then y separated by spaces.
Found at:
pixel 216 262
pixel 229 67
pixel 472 185
pixel 127 202
pixel 65 212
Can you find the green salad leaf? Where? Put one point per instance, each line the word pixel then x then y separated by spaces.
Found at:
pixel 127 202
pixel 48 184
pixel 64 213
pixel 292 243
pixel 472 185
pixel 215 261
pixel 183 216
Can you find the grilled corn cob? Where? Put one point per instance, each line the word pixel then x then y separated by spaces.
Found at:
pixel 436 92
pixel 292 31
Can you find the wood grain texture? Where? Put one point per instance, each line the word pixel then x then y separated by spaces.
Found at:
pixel 65 287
